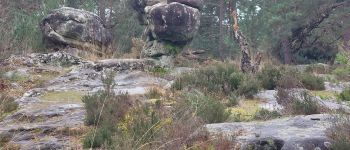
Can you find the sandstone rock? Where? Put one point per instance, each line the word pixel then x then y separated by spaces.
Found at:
pixel 291 133
pixel 174 22
pixel 60 59
pixel 169 22
pixel 75 28
pixel 124 64
pixel 192 3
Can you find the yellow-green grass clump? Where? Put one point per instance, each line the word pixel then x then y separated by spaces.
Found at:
pixel 64 96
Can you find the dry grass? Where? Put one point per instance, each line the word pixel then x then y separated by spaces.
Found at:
pixel 137 46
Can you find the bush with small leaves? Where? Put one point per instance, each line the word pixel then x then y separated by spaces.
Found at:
pixel 104 110
pixel 342 58
pixel 289 79
pixel 249 88
pixel 312 82
pixel 345 95
pixel 207 108
pixel 219 79
pixel 297 103
pixel 233 100
pixel 102 137
pixel 269 77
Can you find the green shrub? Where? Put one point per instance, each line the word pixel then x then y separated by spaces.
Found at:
pixel 342 58
pixel 345 95
pixel 102 137
pixel 249 88
pixel 289 79
pixel 219 79
pixel 145 125
pixel 305 106
pixel 161 71
pixel 311 82
pixel 233 100
pixel 297 103
pixel 342 72
pixel 269 77
pixel 172 48
pixel 209 109
pixel 104 110
pixel 264 114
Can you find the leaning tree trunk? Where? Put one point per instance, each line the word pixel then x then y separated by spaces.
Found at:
pixel 299 36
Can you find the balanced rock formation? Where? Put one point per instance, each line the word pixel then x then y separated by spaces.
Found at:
pixel 74 28
pixel 171 24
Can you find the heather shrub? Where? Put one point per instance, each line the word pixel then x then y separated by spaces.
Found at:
pixel 249 88
pixel 297 103
pixel 312 82
pixel 219 79
pixel 289 79
pixel 104 110
pixel 269 77
pixel 233 100
pixel 345 95
pixel 342 72
pixel 207 108
pixel 305 106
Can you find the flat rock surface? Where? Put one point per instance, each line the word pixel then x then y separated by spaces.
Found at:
pixel 293 132
pixel 50 124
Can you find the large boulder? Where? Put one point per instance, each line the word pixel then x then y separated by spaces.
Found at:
pixel 171 24
pixel 174 22
pixel 75 28
pixel 192 3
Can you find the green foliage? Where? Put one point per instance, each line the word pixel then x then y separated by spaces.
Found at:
pixel 269 76
pixel 219 79
pixel 264 114
pixel 297 102
pixel 342 72
pixel 345 95
pixel 305 106
pixel 161 71
pixel 23 27
pixel 209 109
pixel 312 82
pixel 172 49
pixel 342 58
pixel 249 88
pixel 289 79
pixel 102 137
pixel 143 128
pixel 233 100
pixel 104 110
